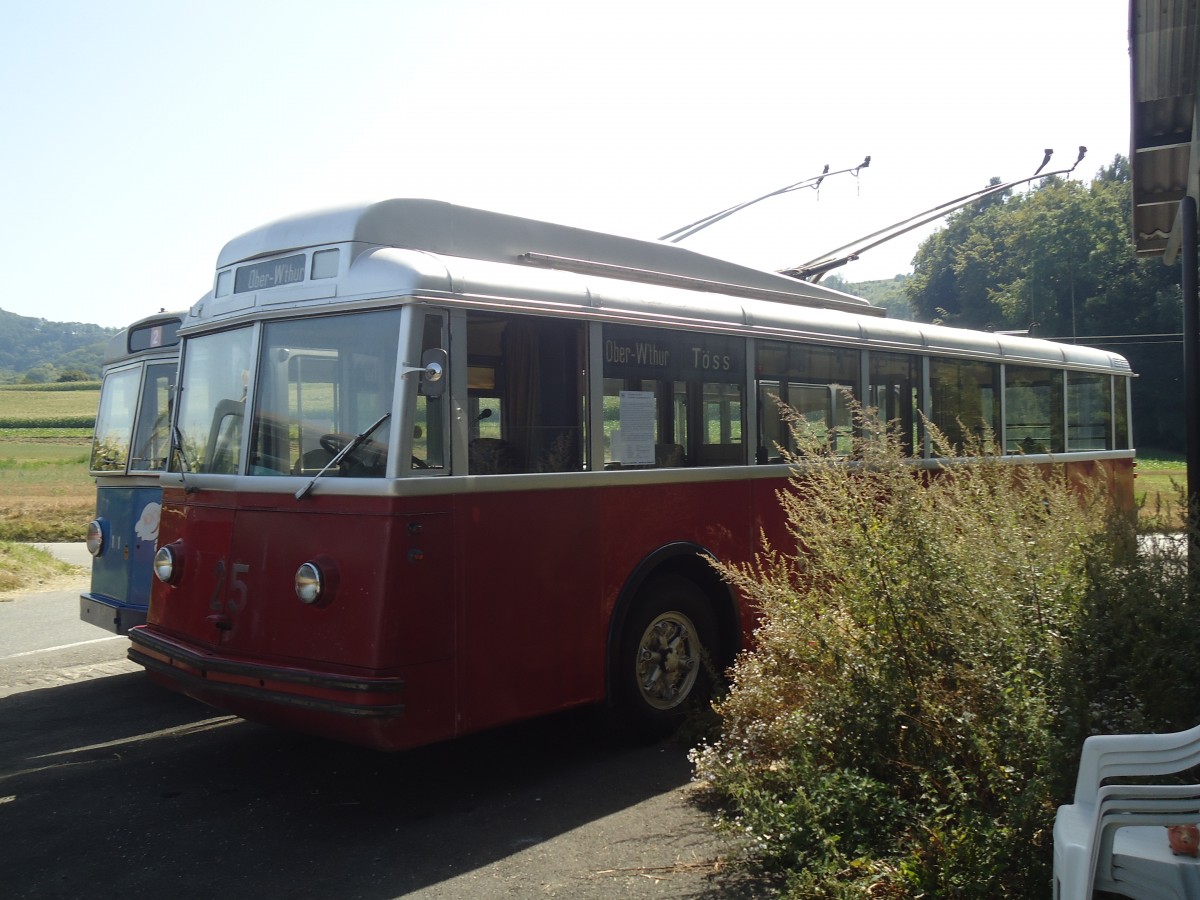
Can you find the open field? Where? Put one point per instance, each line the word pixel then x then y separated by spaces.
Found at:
pixel 46 493
pixel 48 406
pixel 34 405
pixel 1158 487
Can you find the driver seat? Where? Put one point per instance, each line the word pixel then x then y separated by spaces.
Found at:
pixel 312 461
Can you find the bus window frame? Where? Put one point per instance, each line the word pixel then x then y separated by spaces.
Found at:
pixel 409 389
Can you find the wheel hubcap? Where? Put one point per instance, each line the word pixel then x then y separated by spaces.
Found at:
pixel 668 660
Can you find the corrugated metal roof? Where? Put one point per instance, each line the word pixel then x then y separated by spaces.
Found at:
pixel 1163 71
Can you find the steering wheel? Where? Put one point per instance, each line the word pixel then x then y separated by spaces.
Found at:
pixel 333 443
pixel 367 459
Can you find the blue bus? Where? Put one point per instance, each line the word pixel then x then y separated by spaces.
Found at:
pixel 129 450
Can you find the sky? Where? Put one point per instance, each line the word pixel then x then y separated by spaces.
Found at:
pixel 139 136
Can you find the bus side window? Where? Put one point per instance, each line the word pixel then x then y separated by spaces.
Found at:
pixel 965 399
pixel 1033 400
pixel 672 397
pixel 1121 413
pixel 645 423
pixel 720 441
pixel 525 392
pixel 815 384
pixel 1089 411
pixel 895 395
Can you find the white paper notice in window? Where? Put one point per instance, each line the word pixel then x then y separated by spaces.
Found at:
pixel 637 428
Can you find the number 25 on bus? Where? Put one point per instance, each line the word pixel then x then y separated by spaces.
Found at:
pixel 438 469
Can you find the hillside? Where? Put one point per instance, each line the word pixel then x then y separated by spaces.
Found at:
pixel 888 293
pixel 37 350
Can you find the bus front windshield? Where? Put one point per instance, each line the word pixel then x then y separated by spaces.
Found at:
pixel 212 401
pixel 114 422
pixel 321 382
pixel 318 382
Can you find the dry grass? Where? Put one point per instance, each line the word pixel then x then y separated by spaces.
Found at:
pixel 24 568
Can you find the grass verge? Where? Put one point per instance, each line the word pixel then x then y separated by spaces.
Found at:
pixel 1158 489
pixel 25 568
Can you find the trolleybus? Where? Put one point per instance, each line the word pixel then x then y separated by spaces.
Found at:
pixel 129 452
pixel 439 469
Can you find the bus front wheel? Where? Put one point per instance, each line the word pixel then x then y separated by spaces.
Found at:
pixel 664 656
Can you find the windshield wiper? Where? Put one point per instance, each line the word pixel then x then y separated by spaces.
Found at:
pixel 343 453
pixel 177 448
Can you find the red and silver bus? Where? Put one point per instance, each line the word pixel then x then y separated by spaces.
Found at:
pixel 129 452
pixel 439 469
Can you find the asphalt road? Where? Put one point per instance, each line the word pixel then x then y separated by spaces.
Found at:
pixel 112 786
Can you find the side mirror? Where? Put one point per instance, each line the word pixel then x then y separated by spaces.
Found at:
pixel 433 372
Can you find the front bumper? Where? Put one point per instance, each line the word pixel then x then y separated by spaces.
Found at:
pixel 109 614
pixel 252 689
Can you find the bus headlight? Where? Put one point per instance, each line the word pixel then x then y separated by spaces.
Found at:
pixel 309 583
pixel 316 582
pixel 168 564
pixel 95 537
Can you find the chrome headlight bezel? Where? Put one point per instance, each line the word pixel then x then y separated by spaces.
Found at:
pixel 309 583
pixel 97 537
pixel 168 564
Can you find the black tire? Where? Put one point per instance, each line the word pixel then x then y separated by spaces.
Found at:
pixel 664 656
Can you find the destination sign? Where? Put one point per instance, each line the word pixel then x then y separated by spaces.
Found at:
pixel 148 337
pixel 273 274
pixel 631 352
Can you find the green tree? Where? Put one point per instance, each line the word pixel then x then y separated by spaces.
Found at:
pixel 43 374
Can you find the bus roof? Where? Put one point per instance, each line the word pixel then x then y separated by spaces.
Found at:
pixel 445 229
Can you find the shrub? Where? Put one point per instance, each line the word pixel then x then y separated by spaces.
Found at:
pixel 895 727
pixel 1134 654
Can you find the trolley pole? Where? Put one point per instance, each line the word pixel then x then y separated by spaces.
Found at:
pixel 1191 375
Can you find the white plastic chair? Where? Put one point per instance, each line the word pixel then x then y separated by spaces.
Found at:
pixel 1111 837
pixel 1133 855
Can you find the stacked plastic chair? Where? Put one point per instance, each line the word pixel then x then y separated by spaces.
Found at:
pixel 1111 838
